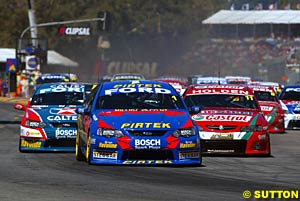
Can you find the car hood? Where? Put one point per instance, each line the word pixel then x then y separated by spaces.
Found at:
pixel 141 120
pixel 292 106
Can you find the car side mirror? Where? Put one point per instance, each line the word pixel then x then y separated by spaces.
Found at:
pixel 81 110
pixel 195 109
pixel 19 106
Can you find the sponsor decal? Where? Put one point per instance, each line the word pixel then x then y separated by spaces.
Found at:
pixel 236 118
pixel 293 89
pixel 73 31
pixel 198 117
pixel 187 145
pixel 59 133
pixel 222 136
pixel 62 88
pixel 62 118
pixel 30 144
pixel 220 91
pixel 65 111
pixel 266 108
pixel 30 132
pixel 147 162
pixel 107 145
pixel 137 89
pixel 186 155
pixel 104 155
pixel 146 125
pixel 147 143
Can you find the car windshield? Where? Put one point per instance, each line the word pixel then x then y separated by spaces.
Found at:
pixel 290 95
pixel 140 101
pixel 265 96
pixel 58 98
pixel 222 100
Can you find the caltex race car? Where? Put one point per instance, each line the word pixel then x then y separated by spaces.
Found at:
pixel 137 123
pixel 50 119
pixel 230 120
pixel 270 106
pixel 290 97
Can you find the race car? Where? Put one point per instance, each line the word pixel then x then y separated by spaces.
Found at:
pixel 137 123
pixel 290 97
pixel 238 79
pixel 56 77
pixel 230 121
pixel 50 119
pixel 178 85
pixel 127 76
pixel 275 85
pixel 210 80
pixel 270 106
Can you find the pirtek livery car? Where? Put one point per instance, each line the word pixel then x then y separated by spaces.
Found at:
pixel 270 106
pixel 50 120
pixel 230 120
pixel 290 96
pixel 136 122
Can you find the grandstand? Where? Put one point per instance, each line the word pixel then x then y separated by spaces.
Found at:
pixel 256 43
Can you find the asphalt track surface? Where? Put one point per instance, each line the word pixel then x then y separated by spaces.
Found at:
pixel 59 177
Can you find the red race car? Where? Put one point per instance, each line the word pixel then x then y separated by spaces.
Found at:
pixel 230 120
pixel 271 107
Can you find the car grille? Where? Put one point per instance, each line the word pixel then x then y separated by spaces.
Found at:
pixel 64 124
pixel 147 155
pixel 239 146
pixel 60 142
pixel 218 127
pixel 146 133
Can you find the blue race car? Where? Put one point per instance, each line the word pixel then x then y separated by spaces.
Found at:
pixel 50 119
pixel 290 97
pixel 137 123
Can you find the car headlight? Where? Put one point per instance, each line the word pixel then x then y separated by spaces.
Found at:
pixel 34 124
pixel 184 132
pixel 109 133
pixel 253 128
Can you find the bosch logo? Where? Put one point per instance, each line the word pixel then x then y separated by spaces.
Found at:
pixel 147 142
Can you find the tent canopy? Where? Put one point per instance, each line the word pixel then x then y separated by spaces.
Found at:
pixel 54 58
pixel 252 17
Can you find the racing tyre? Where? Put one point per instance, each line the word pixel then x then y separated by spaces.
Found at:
pixel 20 150
pixel 88 150
pixel 78 151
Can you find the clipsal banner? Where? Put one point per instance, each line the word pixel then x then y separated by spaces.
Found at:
pixel 74 31
pixel 148 69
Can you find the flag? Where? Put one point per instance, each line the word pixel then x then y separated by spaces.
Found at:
pixel 287 6
pixel 246 6
pixel 259 6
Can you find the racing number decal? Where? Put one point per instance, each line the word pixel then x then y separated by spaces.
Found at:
pixel 249 97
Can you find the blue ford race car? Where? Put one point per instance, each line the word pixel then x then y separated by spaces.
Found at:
pixel 136 123
pixel 50 119
pixel 290 97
